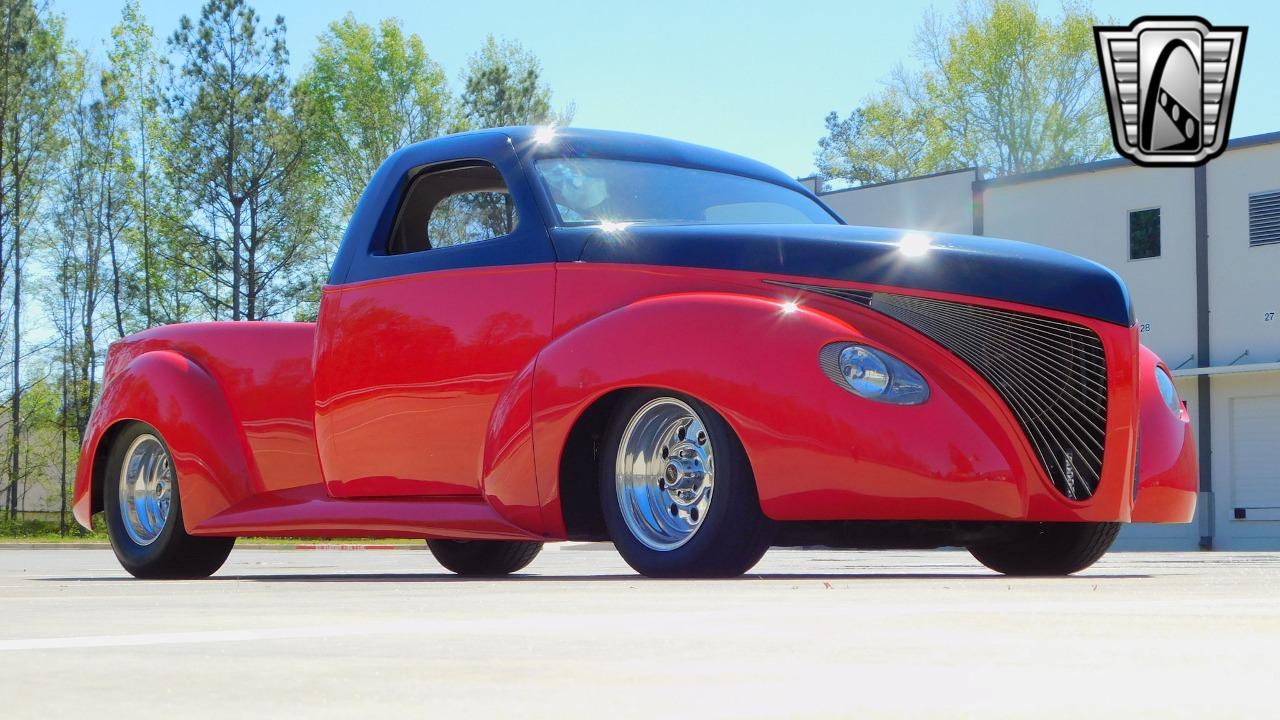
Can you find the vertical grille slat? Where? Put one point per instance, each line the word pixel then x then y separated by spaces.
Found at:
pixel 1040 355
pixel 1052 374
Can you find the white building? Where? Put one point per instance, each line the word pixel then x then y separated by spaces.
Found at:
pixel 1200 251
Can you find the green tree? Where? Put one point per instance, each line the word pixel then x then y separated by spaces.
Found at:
pixel 1001 88
pixel 112 163
pixel 237 154
pixel 503 86
pixel 32 85
pixel 79 237
pixel 36 486
pixel 63 298
pixel 369 92
pixel 888 138
pixel 130 85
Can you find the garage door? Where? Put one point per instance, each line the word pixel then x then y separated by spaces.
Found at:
pixel 1255 457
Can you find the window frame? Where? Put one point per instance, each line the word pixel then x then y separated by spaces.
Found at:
pixel 362 255
pixel 437 169
pixel 552 212
pixel 1159 233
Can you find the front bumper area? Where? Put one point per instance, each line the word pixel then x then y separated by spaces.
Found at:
pixel 971 453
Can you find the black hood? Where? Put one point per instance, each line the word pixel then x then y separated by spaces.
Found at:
pixel 978 266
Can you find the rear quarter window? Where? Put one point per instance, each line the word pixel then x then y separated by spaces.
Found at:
pixel 451 207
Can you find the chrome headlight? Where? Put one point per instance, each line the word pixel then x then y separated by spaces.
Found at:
pixel 1168 393
pixel 873 374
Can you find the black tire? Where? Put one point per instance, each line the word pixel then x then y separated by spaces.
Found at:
pixel 733 535
pixel 484 558
pixel 1046 549
pixel 173 554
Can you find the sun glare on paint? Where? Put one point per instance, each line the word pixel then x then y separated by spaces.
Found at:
pixel 914 244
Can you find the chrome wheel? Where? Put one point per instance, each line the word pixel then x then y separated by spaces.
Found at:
pixel 664 473
pixel 146 488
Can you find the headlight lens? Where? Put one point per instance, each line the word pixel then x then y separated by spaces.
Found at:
pixel 863 371
pixel 1164 381
pixel 873 374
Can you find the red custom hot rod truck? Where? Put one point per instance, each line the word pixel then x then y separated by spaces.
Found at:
pixel 533 335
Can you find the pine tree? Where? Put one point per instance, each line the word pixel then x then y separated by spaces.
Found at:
pixel 31 88
pixel 237 153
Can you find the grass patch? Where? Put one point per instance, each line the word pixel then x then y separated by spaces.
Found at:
pixel 46 531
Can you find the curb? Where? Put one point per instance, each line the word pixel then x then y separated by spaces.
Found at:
pixel 241 546
pixel 339 546
pixel 54 546
pixel 585 546
pixel 328 547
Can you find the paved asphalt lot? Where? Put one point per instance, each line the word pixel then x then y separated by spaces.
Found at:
pixel 376 633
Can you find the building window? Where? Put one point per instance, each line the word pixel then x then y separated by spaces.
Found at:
pixel 1264 218
pixel 1144 233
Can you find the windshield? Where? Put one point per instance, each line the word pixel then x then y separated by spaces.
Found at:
pixel 591 191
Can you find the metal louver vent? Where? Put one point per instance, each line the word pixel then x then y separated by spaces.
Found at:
pixel 1264 218
pixel 1052 374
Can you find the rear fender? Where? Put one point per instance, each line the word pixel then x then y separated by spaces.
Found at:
pixel 177 397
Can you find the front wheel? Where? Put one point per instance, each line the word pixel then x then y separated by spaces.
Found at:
pixel 1046 548
pixel 481 558
pixel 677 491
pixel 144 512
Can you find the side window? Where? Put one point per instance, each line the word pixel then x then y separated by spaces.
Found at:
pixel 1144 233
pixel 450 207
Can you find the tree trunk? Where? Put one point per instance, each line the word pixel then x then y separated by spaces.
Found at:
pixel 146 221
pixel 237 270
pixel 87 357
pixel 251 266
pixel 15 402
pixel 115 272
pixel 233 79
pixel 66 358
pixel 5 149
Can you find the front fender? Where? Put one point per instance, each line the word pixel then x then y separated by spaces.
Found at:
pixel 177 397
pixel 818 452
pixel 1168 469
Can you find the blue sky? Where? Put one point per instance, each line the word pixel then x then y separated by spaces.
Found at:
pixel 751 77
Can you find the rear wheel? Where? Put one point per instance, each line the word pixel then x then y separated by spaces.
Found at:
pixel 1046 548
pixel 677 492
pixel 144 512
pixel 484 557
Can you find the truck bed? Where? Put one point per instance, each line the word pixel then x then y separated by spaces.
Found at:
pixel 264 370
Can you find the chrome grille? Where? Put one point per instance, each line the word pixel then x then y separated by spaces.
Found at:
pixel 1051 373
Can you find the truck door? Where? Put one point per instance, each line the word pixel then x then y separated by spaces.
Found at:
pixel 416 344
